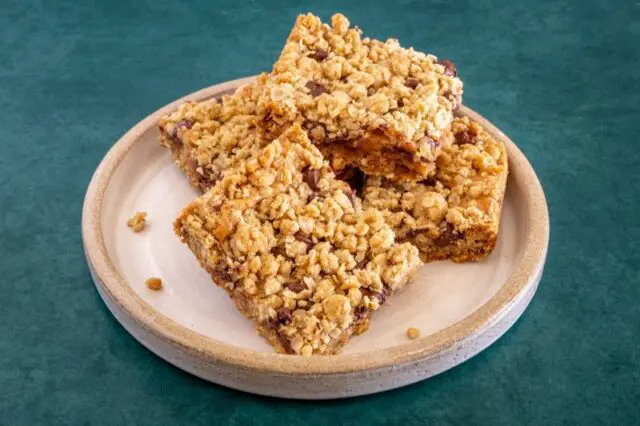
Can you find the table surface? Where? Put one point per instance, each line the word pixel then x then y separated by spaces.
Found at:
pixel 559 77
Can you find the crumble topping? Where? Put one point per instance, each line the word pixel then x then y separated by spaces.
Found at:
pixel 294 248
pixel 211 136
pixel 359 96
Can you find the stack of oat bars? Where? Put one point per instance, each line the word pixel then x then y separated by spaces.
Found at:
pixel 328 181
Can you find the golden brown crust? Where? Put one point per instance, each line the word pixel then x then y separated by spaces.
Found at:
pixel 456 214
pixel 364 95
pixel 293 247
pixel 209 137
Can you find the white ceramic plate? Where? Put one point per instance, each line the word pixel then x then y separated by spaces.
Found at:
pixel 459 308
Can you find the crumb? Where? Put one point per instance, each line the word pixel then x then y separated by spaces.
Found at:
pixel 413 333
pixel 154 283
pixel 137 222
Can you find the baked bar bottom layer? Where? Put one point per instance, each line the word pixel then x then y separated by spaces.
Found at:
pixel 472 245
pixel 182 157
pixel 380 159
pixel 249 310
pixel 455 214
pixel 294 248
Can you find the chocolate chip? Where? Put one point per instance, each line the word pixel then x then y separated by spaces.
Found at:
pixel 382 296
pixel 412 233
pixel 174 133
pixel 359 312
pixel 315 89
pixel 449 67
pixel 285 342
pixel 220 275
pixel 465 137
pixel 411 83
pixel 400 103
pixel 175 137
pixel 284 316
pixel 371 91
pixel 303 238
pixel 311 178
pixel 272 323
pixel 447 236
pixel 279 251
pixel 206 182
pixel 185 123
pixel 319 55
pixel 362 264
pixel 431 181
pixel 296 286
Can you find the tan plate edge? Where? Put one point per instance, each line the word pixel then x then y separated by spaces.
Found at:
pixel 211 351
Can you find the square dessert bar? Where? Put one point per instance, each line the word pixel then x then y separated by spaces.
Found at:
pixel 206 138
pixel 294 249
pixel 456 213
pixel 373 105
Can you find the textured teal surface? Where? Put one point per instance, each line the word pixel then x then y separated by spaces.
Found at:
pixel 561 78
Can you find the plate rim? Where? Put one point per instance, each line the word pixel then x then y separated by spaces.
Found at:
pixel 209 350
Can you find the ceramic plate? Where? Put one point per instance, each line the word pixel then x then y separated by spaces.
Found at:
pixel 459 308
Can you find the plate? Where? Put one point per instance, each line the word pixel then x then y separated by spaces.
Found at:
pixel 460 309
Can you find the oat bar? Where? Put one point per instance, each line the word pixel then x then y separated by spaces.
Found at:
pixel 455 214
pixel 294 249
pixel 366 103
pixel 208 137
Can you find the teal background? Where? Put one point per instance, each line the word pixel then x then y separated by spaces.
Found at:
pixel 560 77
